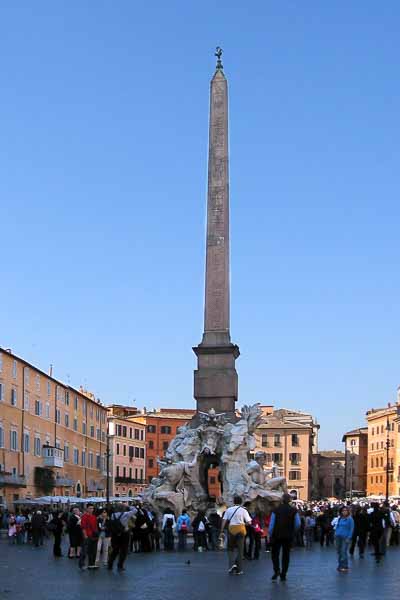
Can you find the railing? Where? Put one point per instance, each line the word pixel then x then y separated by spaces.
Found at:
pixel 10 479
pixel 129 480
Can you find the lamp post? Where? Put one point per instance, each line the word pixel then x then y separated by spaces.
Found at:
pixel 351 474
pixel 333 467
pixel 108 463
pixel 387 458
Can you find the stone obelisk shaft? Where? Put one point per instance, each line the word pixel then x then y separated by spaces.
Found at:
pixel 216 310
pixel 215 380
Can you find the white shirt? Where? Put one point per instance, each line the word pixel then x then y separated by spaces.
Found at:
pixel 165 519
pixel 237 515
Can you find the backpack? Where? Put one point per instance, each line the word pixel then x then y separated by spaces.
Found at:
pixel 183 526
pixel 117 529
pixel 169 523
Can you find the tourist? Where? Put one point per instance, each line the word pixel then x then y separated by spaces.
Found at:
pixel 90 532
pixel 360 518
pixel 214 526
pixel 324 526
pixel 12 529
pixel 255 536
pixel 168 526
pixel 20 520
pixel 284 523
pixel 104 541
pixel 235 519
pixel 56 526
pixel 344 529
pixel 182 527
pixel 37 528
pixel 200 525
pixel 75 533
pixel 119 526
pixel 309 527
pixel 142 528
pixel 376 528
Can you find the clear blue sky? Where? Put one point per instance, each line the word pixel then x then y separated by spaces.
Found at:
pixel 103 153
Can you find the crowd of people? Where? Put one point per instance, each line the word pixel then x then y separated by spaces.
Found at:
pixel 101 537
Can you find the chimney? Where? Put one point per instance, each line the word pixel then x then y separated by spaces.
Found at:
pixel 389 405
pixel 398 395
pixel 51 371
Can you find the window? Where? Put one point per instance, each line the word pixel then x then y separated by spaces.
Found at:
pixel 151 428
pixel 124 450
pixel 76 456
pixel 90 460
pixel 103 437
pixel 1 437
pixel 151 444
pixel 372 432
pixel 76 403
pixel 48 388
pixel 84 428
pixel 381 428
pixel 26 401
pixel 141 452
pixel 277 439
pixel 295 458
pixel 66 398
pixel 1 362
pixel 26 375
pixel 295 439
pixel 264 440
pixel 83 458
pixel 13 397
pixel 58 416
pixel 142 435
pixel 165 445
pixel 66 452
pixel 124 431
pixel 2 388
pixel 372 463
pixel 92 431
pixel 38 408
pixel 294 475
pixel 26 442
pixel 372 446
pixel 14 369
pixel 137 452
pixel 117 473
pixel 58 443
pixel 136 434
pixel 376 479
pixel 392 443
pixel 98 434
pixel 381 479
pixel 75 424
pixel 131 451
pixel 66 419
pixel 130 472
pixel 98 462
pixel 381 444
pixel 130 432
pixel 166 429
pixel 151 463
pixel 277 458
pixel 381 461
pixel 141 474
pixel 393 426
pixel 37 382
pixel 37 448
pixel 117 448
pixel 353 443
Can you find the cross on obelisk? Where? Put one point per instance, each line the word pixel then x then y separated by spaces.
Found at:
pixel 215 380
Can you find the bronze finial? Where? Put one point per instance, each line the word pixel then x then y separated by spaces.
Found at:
pixel 218 54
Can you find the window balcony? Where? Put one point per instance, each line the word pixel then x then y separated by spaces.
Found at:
pixel 12 480
pixel 129 480
pixel 53 457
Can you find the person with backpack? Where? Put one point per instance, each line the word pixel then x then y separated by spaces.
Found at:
pixel 168 526
pixel 235 519
pixel 309 528
pixel 182 526
pixel 200 527
pixel 119 527
pixel 343 534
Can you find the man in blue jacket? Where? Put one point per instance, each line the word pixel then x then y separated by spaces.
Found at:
pixel 285 521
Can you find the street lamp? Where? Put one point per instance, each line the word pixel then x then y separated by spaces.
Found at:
pixel 387 458
pixel 351 473
pixel 333 467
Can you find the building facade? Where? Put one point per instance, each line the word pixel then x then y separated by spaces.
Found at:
pixel 127 438
pixel 383 427
pixel 161 427
pixel 356 461
pixel 287 437
pixel 329 467
pixel 52 436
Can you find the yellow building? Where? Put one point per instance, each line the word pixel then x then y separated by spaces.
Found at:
pixel 383 426
pixel 288 437
pixel 52 436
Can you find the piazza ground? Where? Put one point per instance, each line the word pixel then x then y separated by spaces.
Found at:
pixel 33 574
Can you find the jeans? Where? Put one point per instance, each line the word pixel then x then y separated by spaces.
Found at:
pixel 119 547
pixel 342 546
pixel 235 550
pixel 255 544
pixel 89 549
pixel 182 537
pixel 309 536
pixel 285 544
pixel 37 537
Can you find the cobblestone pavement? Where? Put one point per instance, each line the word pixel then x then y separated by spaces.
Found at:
pixel 30 573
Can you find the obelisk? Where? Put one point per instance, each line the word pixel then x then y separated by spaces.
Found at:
pixel 216 380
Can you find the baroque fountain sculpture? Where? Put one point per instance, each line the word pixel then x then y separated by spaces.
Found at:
pixel 211 440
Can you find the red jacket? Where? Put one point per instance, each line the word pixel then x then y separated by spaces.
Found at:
pixel 89 525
